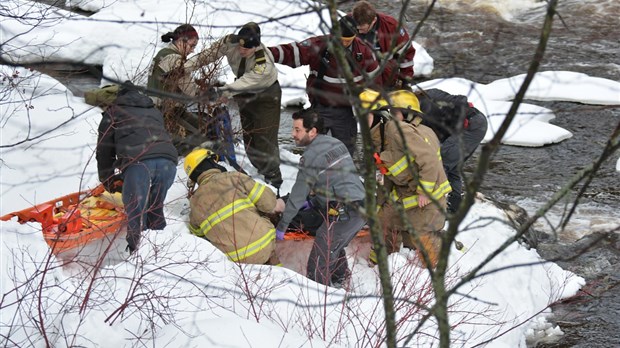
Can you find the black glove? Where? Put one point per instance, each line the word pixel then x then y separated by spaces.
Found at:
pixel 114 184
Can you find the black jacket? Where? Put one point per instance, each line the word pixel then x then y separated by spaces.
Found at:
pixel 132 129
pixel 443 112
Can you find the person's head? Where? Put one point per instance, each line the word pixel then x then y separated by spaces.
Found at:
pixel 347 28
pixel 199 161
pixel 184 37
pixel 249 39
pixel 307 124
pixel 404 105
pixel 376 105
pixel 365 15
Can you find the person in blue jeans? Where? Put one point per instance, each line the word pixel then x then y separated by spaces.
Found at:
pixel 135 156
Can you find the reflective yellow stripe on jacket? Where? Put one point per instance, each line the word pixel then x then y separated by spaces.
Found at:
pixel 228 210
pixel 412 201
pixel 253 248
pixel 399 166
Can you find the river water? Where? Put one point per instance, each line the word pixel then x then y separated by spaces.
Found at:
pixel 485 40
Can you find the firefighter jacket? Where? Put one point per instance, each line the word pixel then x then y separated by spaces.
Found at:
pixel 445 113
pixel 226 210
pixel 326 84
pixel 399 54
pixel 131 129
pixel 327 169
pixel 171 73
pixel 411 155
pixel 253 74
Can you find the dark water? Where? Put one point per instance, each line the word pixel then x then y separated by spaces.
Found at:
pixel 477 44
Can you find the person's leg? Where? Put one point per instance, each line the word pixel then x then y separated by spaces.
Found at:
pixel 451 157
pixel 344 232
pixel 260 122
pixel 342 124
pixel 224 133
pixel 136 185
pixel 162 172
pixel 426 223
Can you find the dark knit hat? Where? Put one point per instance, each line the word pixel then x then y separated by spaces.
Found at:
pixel 203 166
pixel 348 26
pixel 249 35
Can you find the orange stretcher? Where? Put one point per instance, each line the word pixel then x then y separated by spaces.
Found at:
pixel 75 219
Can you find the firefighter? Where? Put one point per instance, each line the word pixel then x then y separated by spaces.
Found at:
pixel 257 92
pixel 326 169
pixel 326 84
pixel 229 210
pixel 389 40
pixel 413 178
pixel 459 126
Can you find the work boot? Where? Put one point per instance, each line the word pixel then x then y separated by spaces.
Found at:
pixel 343 282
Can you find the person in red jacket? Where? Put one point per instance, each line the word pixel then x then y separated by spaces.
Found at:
pixel 326 85
pixel 389 40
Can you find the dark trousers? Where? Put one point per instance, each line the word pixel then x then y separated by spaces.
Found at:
pixel 260 120
pixel 456 149
pixel 340 121
pixel 327 263
pixel 145 185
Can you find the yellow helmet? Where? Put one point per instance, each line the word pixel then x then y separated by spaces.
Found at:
pixel 403 99
pixel 194 158
pixel 372 100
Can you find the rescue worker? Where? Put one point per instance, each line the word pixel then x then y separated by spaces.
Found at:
pixel 413 179
pixel 174 91
pixel 459 126
pixel 326 85
pixel 228 209
pixel 326 169
pixel 257 93
pixel 133 142
pixel 389 40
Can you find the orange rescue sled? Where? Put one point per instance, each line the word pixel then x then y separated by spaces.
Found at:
pixel 76 219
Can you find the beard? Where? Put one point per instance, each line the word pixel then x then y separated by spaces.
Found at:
pixel 305 141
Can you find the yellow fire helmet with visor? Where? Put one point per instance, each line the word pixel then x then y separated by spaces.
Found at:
pixel 372 100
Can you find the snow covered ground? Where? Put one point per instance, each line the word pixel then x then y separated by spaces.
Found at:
pixel 181 291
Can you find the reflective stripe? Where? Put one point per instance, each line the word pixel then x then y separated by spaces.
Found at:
pixel 221 215
pixel 296 54
pixel 373 73
pixel 406 64
pixel 280 54
pixel 253 248
pixel 341 80
pixel 256 192
pixel 412 201
pixel 427 186
pixel 399 166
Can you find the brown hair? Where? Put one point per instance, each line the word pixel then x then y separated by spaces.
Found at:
pixel 184 31
pixel 363 12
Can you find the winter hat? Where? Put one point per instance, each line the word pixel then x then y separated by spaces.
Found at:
pixel 348 26
pixel 249 35
pixel 203 166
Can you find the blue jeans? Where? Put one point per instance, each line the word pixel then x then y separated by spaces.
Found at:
pixel 145 185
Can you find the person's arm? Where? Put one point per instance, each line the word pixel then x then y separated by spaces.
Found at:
pixel 406 53
pixel 259 78
pixel 106 150
pixel 259 194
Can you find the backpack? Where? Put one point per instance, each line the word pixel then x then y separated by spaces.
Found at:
pixel 102 97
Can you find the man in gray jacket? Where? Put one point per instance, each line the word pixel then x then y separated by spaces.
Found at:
pixel 326 170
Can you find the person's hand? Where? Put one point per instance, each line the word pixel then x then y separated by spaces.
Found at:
pixel 279 235
pixel 280 204
pixel 223 95
pixel 114 184
pixel 307 205
pixel 423 200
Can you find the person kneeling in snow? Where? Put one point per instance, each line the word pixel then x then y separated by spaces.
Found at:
pixel 327 169
pixel 228 209
pixel 415 182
